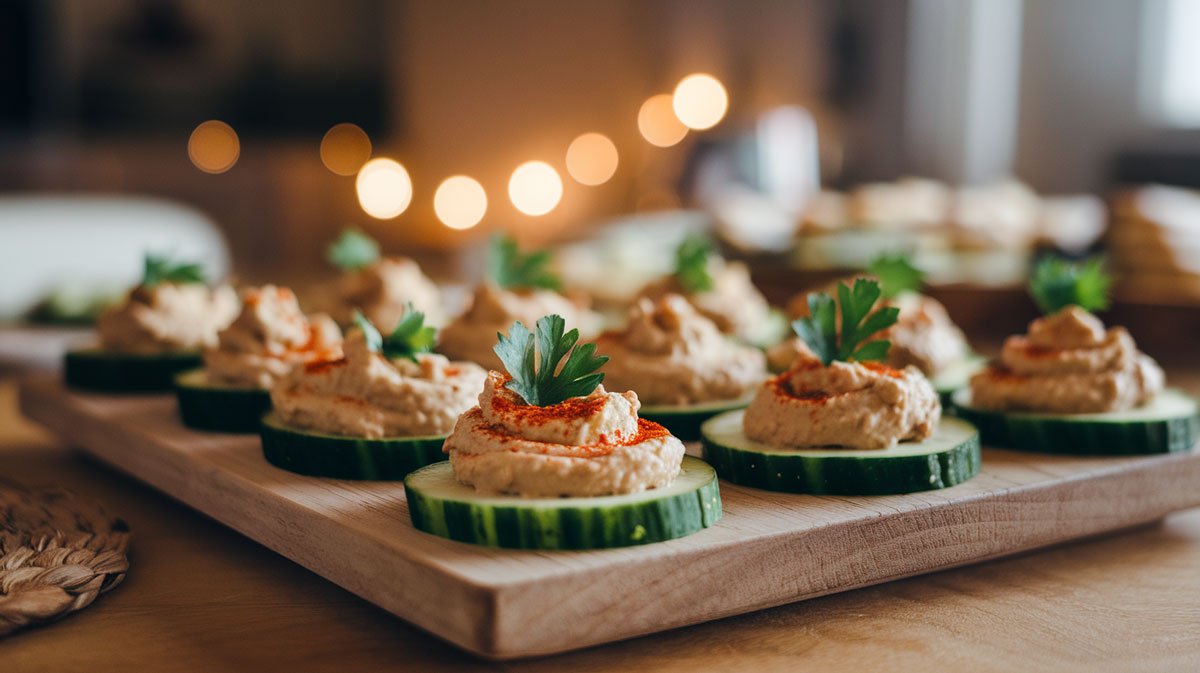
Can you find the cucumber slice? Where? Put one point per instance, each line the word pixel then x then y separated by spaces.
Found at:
pixel 106 371
pixel 951 456
pixel 321 455
pixel 771 331
pixel 956 376
pixel 440 505
pixel 684 420
pixel 223 408
pixel 1168 423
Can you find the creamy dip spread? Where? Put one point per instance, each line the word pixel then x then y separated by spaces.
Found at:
pixel 672 355
pixel 269 338
pixel 923 336
pixel 383 289
pixel 855 405
pixel 1068 363
pixel 585 446
pixel 733 303
pixel 363 394
pixel 493 310
pixel 167 318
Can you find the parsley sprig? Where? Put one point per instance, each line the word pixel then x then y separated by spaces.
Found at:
pixel 532 360
pixel 820 329
pixel 352 250
pixel 160 269
pixel 1057 283
pixel 691 263
pixel 510 268
pixel 896 275
pixel 410 338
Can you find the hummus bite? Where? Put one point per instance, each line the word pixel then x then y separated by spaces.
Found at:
pixel 682 367
pixel 722 292
pixel 923 336
pixel 549 459
pixel 158 331
pixel 840 421
pixel 379 411
pixel 381 288
pixel 519 288
pixel 1070 385
pixel 270 337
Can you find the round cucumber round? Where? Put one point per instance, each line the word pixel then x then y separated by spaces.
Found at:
pixel 1168 423
pixel 951 456
pixel 684 420
pixel 223 408
pixel 440 505
pixel 339 457
pixel 771 331
pixel 107 371
pixel 956 376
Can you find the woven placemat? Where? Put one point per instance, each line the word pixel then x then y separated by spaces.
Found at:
pixel 58 552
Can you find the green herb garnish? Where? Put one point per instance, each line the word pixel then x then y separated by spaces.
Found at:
pixel 162 270
pixel 544 382
pixel 1057 283
pixel 410 338
pixel 896 275
pixel 509 268
pixel 352 250
pixel 819 330
pixel 691 263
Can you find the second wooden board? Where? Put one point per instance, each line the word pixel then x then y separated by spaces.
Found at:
pixel 769 549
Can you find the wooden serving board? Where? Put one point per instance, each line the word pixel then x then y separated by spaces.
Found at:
pixel 770 548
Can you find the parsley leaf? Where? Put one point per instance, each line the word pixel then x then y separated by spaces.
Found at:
pixel 896 274
pixel 1057 283
pixel 859 323
pixel 509 268
pixel 374 340
pixel 532 360
pixel 691 263
pixel 159 269
pixel 411 336
pixel 352 250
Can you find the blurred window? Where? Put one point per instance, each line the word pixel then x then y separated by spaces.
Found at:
pixel 1174 28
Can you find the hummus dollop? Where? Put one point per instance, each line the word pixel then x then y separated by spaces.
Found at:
pixel 167 318
pixel 1068 363
pixel 734 304
pixel 268 339
pixel 585 446
pixel 923 336
pixel 383 289
pixel 854 405
pixel 672 355
pixel 472 335
pixel 363 394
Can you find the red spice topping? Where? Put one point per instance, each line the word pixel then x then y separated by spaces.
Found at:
pixel 1036 351
pixel 569 410
pixel 647 430
pixel 345 399
pixel 450 371
pixel 322 366
pixel 880 368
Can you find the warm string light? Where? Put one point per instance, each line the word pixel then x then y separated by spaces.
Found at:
pixel 385 190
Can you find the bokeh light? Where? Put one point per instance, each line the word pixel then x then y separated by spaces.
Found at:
pixel 460 202
pixel 700 101
pixel 213 146
pixel 658 123
pixel 345 148
pixel 535 188
pixel 592 159
pixel 384 188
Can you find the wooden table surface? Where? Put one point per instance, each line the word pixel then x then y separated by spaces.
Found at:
pixel 199 597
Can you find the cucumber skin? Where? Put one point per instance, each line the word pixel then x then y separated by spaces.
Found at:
pixel 115 373
pixel 1049 435
pixel 848 475
pixel 223 409
pixel 567 529
pixel 347 457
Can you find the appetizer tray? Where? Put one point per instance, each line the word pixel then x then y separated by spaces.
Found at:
pixel 770 548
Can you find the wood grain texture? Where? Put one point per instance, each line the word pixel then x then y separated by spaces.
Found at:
pixel 771 549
